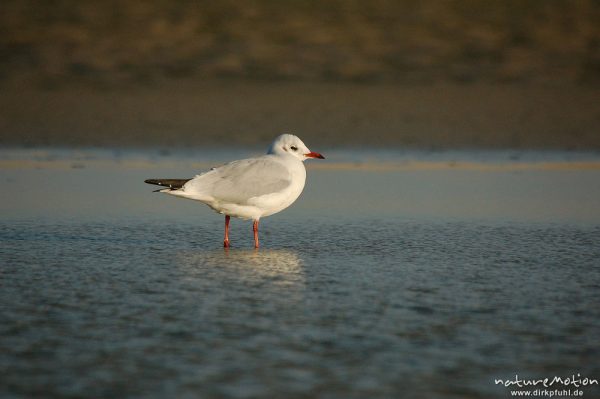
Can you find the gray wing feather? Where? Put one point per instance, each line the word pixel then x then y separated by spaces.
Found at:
pixel 238 181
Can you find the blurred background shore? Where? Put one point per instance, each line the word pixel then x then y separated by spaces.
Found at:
pixel 447 74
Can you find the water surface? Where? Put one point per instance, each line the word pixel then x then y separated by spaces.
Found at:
pixel 380 282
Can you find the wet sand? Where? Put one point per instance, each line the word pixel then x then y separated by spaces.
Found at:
pixel 46 159
pixel 194 113
pixel 515 186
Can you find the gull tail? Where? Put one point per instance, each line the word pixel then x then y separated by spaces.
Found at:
pixel 171 184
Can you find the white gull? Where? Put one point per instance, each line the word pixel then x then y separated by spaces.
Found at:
pixel 249 188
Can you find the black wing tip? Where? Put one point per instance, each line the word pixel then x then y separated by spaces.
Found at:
pixel 173 184
pixel 157 182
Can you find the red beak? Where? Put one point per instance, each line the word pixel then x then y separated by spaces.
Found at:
pixel 314 155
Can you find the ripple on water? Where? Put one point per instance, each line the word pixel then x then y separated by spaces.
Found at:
pixel 330 307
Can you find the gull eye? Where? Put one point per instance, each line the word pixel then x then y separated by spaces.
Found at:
pixel 294 148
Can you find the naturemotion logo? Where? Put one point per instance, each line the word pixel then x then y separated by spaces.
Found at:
pixel 548 382
pixel 555 382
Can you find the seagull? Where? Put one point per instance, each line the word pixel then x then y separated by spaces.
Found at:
pixel 249 188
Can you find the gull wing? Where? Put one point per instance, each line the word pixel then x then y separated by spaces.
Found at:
pixel 238 181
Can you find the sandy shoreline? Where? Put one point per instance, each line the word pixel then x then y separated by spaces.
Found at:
pixel 192 113
pixel 49 159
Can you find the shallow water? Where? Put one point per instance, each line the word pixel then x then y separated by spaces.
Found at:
pixel 403 282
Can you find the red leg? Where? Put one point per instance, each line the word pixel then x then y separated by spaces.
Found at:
pixel 255 228
pixel 226 241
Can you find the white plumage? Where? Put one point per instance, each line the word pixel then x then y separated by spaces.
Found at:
pixel 249 188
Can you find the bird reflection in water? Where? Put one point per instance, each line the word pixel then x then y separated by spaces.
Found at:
pixel 275 269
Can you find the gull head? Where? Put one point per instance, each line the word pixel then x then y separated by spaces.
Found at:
pixel 288 144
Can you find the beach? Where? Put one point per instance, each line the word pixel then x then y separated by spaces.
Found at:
pixel 182 113
pixel 456 74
